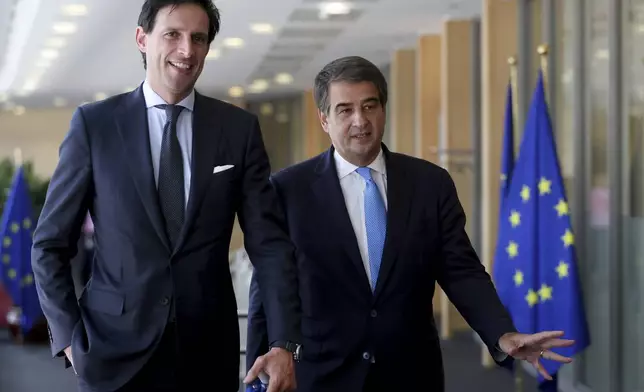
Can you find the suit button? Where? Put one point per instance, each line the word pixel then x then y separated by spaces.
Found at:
pixel 374 313
pixel 165 301
pixel 366 356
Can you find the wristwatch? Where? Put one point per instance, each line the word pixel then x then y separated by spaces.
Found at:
pixel 293 348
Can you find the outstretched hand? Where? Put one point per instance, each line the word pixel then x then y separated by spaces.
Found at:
pixel 531 348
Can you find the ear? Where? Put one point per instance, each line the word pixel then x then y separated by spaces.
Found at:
pixel 141 39
pixel 324 120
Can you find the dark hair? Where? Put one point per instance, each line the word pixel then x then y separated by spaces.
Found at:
pixel 353 69
pixel 150 9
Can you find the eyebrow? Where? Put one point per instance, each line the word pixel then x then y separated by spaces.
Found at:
pixel 367 100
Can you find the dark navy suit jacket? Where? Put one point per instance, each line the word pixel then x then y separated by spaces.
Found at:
pixel 105 167
pixel 345 326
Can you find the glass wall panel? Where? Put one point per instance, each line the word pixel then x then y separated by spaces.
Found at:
pixel 632 283
pixel 595 265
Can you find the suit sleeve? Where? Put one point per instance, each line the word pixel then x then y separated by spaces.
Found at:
pixel 55 238
pixel 256 334
pixel 462 276
pixel 267 243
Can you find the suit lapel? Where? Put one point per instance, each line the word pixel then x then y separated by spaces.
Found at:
pixel 331 200
pixel 132 125
pixel 399 197
pixel 206 149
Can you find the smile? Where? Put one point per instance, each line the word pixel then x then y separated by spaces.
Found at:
pixel 181 66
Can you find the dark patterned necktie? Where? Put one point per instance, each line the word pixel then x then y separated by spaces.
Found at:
pixel 171 184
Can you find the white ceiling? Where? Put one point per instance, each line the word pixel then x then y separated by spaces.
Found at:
pixel 101 56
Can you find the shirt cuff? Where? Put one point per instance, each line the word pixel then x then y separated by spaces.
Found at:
pixel 498 354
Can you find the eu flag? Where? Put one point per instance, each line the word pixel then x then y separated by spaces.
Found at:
pixel 507 155
pixel 535 267
pixel 15 252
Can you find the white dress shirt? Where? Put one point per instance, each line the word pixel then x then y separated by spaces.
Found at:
pixel 353 186
pixel 156 122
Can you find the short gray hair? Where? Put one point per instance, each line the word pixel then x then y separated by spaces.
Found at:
pixel 352 69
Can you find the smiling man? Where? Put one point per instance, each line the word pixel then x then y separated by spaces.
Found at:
pixel 163 171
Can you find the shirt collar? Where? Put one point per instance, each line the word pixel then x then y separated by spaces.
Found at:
pixel 153 99
pixel 344 168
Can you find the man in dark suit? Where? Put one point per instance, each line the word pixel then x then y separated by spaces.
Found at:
pixel 374 230
pixel 163 171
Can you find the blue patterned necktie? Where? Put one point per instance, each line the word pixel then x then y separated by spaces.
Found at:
pixel 375 223
pixel 171 184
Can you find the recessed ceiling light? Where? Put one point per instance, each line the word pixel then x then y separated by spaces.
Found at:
pixel 334 8
pixel 213 54
pixel 31 84
pixel 236 92
pixel 55 42
pixel 266 109
pixel 64 28
pixel 261 28
pixel 258 86
pixel 59 102
pixel 234 42
pixel 283 78
pixel 74 10
pixel 49 54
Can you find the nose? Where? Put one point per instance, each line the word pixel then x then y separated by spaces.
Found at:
pixel 360 119
pixel 186 47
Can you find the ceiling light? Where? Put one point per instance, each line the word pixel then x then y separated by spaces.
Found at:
pixel 283 78
pixel 261 28
pixel 64 28
pixel 55 42
pixel 334 8
pixel 266 109
pixel 49 54
pixel 60 102
pixel 258 86
pixel 74 10
pixel 236 92
pixel 213 54
pixel 30 85
pixel 234 42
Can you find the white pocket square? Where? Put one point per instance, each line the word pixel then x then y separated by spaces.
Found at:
pixel 219 169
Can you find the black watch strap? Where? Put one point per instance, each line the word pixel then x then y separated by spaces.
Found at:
pixel 293 348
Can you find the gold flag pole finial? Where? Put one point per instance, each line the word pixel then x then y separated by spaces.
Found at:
pixel 543 53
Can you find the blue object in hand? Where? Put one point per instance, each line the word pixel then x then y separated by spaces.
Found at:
pixel 256 386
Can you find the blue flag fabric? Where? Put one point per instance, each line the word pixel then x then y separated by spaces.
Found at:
pixel 535 267
pixel 15 252
pixel 507 154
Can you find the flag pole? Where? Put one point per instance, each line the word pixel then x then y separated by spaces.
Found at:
pixel 514 77
pixel 512 61
pixel 543 53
